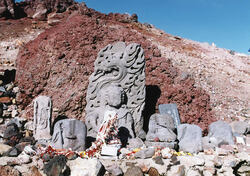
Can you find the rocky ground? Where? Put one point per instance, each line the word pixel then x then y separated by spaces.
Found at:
pixel 55 56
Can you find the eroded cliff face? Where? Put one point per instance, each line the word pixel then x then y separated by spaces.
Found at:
pixel 59 62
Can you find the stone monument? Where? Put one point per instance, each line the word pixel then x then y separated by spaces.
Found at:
pixel 172 110
pixel 118 83
pixel 69 134
pixel 161 128
pixel 42 117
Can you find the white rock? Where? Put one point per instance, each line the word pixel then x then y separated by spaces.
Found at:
pixel 23 158
pixel 29 150
pixel 191 160
pixel 85 167
pixel 191 172
pixel 166 153
pixel 4 148
pixel 240 140
pixel 24 169
pixel 5 160
pixel 29 126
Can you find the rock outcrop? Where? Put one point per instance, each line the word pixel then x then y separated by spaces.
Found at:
pixel 7 8
pixel 38 9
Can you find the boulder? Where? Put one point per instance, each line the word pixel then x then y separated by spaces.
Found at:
pixel 134 171
pixel 4 148
pixel 145 153
pixel 240 127
pixel 8 171
pixel 56 166
pixel 115 170
pixel 86 167
pixel 161 128
pixel 220 133
pixel 7 8
pixel 190 138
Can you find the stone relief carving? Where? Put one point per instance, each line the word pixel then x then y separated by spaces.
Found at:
pixel 69 134
pixel 42 117
pixel 124 66
pixel 161 128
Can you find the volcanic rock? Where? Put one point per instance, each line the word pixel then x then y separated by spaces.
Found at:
pixel 7 8
pixel 134 171
pixel 7 171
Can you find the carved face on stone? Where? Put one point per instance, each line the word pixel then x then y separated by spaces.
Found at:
pixel 113 96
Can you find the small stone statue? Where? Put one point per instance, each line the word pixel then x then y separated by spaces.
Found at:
pixel 69 134
pixel 42 117
pixel 113 98
pixel 161 128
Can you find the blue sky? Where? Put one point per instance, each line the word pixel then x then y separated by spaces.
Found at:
pixel 224 22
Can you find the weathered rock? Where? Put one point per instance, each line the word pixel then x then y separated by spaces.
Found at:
pixel 11 130
pixel 178 170
pixel 166 153
pixel 5 160
pixel 8 171
pixel 34 171
pixel 192 172
pixel 40 13
pixel 24 169
pixel 42 117
pixel 239 127
pixel 4 148
pixel 153 172
pixel 134 171
pixel 161 128
pixel 23 158
pixel 191 161
pixel 135 143
pixel 56 166
pixel 171 145
pixel 7 8
pixel 145 153
pixel 127 64
pixel 13 152
pixel 158 160
pixel 82 167
pixel 220 133
pixel 6 100
pixel 69 134
pixel 190 138
pixel 171 109
pixel 115 170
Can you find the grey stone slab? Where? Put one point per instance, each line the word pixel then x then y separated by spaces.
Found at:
pixel 161 128
pixel 42 117
pixel 190 138
pixel 172 110
pixel 69 134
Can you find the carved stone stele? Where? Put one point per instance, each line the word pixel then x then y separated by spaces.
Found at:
pixel 42 117
pixel 123 66
pixel 69 134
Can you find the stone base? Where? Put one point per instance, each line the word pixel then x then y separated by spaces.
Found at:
pixel 171 145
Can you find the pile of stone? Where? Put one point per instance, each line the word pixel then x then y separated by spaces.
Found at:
pixel 8 91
